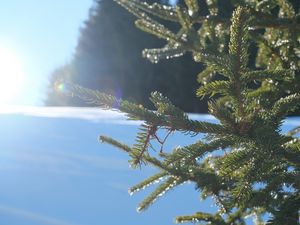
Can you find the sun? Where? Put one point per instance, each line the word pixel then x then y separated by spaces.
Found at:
pixel 11 75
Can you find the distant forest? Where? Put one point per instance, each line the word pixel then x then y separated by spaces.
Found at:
pixel 108 57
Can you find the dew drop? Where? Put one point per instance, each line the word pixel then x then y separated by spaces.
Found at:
pixel 130 192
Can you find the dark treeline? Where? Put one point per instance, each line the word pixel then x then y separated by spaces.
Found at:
pixel 109 58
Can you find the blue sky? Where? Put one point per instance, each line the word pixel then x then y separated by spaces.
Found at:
pixel 54 171
pixel 43 35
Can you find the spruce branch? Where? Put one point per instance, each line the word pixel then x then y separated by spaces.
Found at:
pixel 193 7
pixel 165 107
pixel 159 191
pixel 238 46
pixel 157 29
pixel 286 9
pixel 230 164
pixel 268 74
pixel 167 52
pixel 206 75
pixel 156 178
pixel 145 158
pixel 213 60
pixel 138 112
pixel 131 7
pixel 222 113
pixel 198 149
pixel 162 11
pixel 215 87
pixel 115 143
pixel 201 216
pixel 212 6
pixel 286 105
pixel 266 20
pixel 184 18
pixel 294 131
pixel 140 148
pixel 238 51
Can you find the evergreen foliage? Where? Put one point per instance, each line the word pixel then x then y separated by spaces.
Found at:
pixel 108 57
pixel 258 169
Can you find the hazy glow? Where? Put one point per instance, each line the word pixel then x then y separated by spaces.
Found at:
pixel 11 75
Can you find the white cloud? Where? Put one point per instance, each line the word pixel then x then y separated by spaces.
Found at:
pixel 84 113
pixel 36 218
pixel 98 115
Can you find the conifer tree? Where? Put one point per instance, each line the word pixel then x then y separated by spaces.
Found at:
pixel 244 162
pixel 108 57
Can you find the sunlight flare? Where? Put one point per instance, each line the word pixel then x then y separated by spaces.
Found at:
pixel 11 75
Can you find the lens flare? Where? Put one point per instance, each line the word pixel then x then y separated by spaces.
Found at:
pixel 60 87
pixel 64 88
